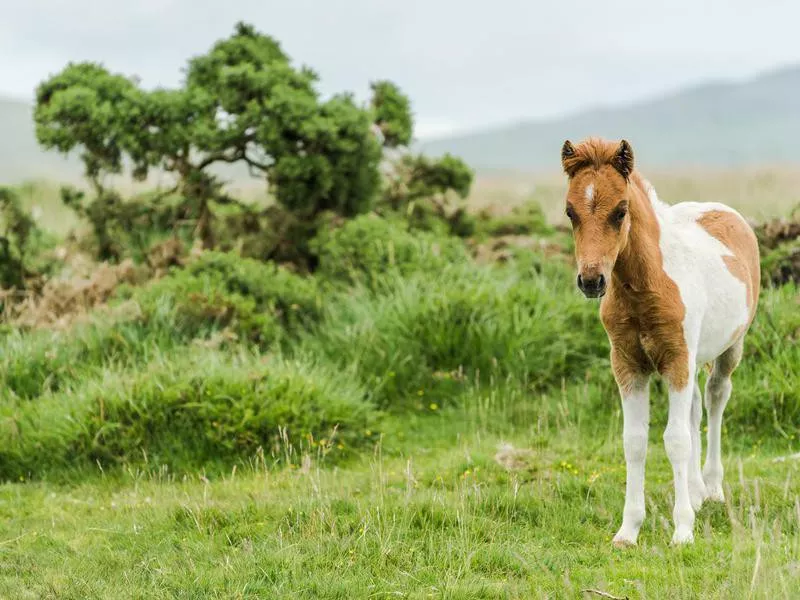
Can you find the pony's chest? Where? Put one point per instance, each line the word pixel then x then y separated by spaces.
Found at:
pixel 650 335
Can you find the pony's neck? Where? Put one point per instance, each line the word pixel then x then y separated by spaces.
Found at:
pixel 639 264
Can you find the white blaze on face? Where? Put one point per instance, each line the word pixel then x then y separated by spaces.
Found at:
pixel 590 194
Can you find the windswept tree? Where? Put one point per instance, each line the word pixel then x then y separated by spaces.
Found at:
pixel 243 102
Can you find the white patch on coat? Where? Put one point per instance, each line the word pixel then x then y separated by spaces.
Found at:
pixel 715 300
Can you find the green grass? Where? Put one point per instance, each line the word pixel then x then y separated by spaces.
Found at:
pixel 427 513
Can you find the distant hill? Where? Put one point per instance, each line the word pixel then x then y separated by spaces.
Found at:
pixel 715 124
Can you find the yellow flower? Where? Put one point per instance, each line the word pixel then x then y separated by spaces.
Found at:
pixel 434 406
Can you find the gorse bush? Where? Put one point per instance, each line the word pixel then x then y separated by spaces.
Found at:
pixel 202 410
pixel 429 193
pixel 367 248
pixel 766 386
pixel 258 302
pixel 781 264
pixel 22 243
pixel 525 219
pixel 254 302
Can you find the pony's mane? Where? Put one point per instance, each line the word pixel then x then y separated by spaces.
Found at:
pixel 592 152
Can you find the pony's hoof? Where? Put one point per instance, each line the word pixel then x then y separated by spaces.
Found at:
pixel 682 536
pixel 697 494
pixel 714 493
pixel 624 540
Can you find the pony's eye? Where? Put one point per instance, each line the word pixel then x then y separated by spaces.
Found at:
pixel 571 214
pixel 618 216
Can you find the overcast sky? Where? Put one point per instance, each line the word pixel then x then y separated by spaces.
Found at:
pixel 465 63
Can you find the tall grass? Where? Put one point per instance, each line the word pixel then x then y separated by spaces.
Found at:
pixel 200 410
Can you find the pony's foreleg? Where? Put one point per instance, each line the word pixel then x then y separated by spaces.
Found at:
pixel 636 415
pixel 678 444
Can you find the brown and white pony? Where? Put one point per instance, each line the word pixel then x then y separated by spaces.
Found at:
pixel 679 287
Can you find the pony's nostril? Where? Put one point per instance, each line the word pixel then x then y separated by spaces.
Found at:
pixel 593 287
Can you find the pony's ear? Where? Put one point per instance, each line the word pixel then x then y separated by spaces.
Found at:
pixel 623 159
pixel 569 159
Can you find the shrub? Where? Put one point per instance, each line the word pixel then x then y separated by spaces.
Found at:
pixel 317 154
pixel 781 264
pixel 259 302
pixel 766 386
pixel 367 248
pixel 525 219
pixel 22 243
pixel 199 411
pixel 429 193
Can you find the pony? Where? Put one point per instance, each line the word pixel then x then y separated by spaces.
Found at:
pixel 679 286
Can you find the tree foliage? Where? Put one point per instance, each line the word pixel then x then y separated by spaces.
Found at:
pixel 392 110
pixel 243 102
pixel 422 189
pixel 20 240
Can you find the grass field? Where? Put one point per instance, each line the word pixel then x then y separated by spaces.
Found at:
pixel 428 512
pixel 404 424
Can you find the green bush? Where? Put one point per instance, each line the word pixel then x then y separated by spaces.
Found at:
pixel 525 219
pixel 781 264
pixel 195 412
pixel 259 302
pixel 766 386
pixel 365 249
pixel 22 244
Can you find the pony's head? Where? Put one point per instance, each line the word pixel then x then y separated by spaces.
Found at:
pixel 597 204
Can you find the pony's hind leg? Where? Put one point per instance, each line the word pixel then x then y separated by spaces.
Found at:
pixel 718 391
pixel 697 488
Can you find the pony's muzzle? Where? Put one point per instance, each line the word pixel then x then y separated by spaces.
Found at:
pixel 592 286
